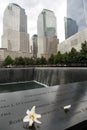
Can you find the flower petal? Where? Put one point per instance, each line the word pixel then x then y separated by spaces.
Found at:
pixel 26 119
pixel 33 109
pixel 27 112
pixel 30 122
pixel 37 115
pixel 37 121
pixel 67 107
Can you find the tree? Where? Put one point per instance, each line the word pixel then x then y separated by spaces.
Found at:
pixel 43 61
pixel 51 59
pixel 72 56
pixel 58 58
pixel 8 61
pixel 26 61
pixel 83 53
pixel 65 58
pixel 84 48
pixel 19 61
pixel 31 61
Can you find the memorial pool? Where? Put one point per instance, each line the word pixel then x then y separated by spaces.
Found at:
pixel 69 88
pixel 19 86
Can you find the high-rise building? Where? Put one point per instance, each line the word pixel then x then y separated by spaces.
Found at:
pixel 70 27
pixel 47 35
pixel 77 10
pixel 15 36
pixel 34 45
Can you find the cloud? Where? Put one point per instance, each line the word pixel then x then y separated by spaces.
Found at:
pixel 31 3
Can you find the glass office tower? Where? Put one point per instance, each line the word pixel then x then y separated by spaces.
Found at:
pixel 15 36
pixel 77 10
pixel 70 27
pixel 47 35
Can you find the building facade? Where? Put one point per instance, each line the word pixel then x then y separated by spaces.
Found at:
pixel 13 54
pixel 74 41
pixel 70 27
pixel 77 10
pixel 15 36
pixel 34 45
pixel 47 35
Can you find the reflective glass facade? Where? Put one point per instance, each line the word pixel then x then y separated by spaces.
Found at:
pixel 77 10
pixel 70 27
pixel 76 17
pixel 46 24
pixel 14 18
pixel 15 36
pixel 46 30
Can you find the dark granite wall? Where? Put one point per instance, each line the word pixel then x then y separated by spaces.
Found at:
pixel 16 74
pixel 49 75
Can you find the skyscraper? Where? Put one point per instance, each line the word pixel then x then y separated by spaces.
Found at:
pixel 34 45
pixel 15 37
pixel 70 27
pixel 47 35
pixel 77 10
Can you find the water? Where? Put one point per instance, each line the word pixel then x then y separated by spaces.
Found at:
pixel 47 75
pixel 48 101
pixel 60 75
pixel 11 87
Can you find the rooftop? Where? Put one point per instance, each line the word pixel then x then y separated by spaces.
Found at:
pixel 15 5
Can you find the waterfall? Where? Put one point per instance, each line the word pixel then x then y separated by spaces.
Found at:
pixel 54 76
pixel 46 75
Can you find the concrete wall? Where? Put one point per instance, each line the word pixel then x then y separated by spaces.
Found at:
pixel 14 54
pixel 74 41
pixel 11 40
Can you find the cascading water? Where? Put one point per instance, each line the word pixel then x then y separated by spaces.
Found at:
pixel 55 76
pixel 49 75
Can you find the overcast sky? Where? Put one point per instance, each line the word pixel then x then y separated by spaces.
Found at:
pixel 33 9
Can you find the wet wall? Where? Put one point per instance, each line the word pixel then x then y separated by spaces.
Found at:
pixel 47 75
pixel 55 75
pixel 8 75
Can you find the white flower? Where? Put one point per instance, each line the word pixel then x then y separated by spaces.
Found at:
pixel 32 117
pixel 67 107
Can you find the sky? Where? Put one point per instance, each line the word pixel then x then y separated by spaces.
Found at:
pixel 33 8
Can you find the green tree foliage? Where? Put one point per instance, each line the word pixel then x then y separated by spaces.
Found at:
pixel 40 61
pixel 19 61
pixel 37 61
pixel 43 61
pixel 58 58
pixel 31 61
pixel 83 53
pixel 65 58
pixel 73 57
pixel 8 61
pixel 51 59
pixel 84 48
pixel 26 61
